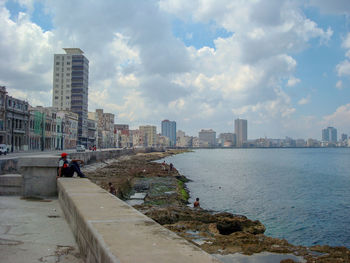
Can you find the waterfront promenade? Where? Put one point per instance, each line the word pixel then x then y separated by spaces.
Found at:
pixel 106 229
pixel 35 231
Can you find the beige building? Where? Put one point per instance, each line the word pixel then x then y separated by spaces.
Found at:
pixel 135 137
pixel 105 128
pixel 163 141
pixel 69 128
pixel 207 138
pixel 148 135
pixel 182 140
pixel 241 131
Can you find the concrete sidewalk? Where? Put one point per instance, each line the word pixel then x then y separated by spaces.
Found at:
pixel 35 231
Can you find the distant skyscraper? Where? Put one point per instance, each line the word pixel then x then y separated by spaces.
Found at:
pixel 169 130
pixel 70 87
pixel 241 131
pixel 344 137
pixel 329 135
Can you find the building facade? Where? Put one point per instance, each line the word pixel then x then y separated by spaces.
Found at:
pixel 69 128
pixel 207 138
pixel 148 135
pixel 329 134
pixel 92 133
pixel 169 130
pixel 227 139
pixel 70 87
pixel 16 124
pixel 182 140
pixel 105 128
pixel 241 131
pixel 3 135
pixel 121 135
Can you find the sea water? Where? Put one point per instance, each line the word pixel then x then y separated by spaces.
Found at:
pixel 301 195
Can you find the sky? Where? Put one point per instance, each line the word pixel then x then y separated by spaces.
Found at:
pixel 284 65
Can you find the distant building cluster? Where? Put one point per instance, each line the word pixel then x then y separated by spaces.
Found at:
pixel 68 123
pixel 239 139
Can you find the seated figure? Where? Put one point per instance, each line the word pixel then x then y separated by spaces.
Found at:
pixel 67 167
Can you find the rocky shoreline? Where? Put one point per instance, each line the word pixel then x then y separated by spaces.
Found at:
pixel 166 201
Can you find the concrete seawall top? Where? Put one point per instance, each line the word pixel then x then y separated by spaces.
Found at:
pixel 109 230
pixel 12 164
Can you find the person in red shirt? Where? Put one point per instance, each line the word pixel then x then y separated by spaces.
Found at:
pixel 68 167
pixel 196 203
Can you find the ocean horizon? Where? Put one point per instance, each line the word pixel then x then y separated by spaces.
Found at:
pixel 299 194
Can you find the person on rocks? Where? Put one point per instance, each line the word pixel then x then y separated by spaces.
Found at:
pixel 171 167
pixel 112 189
pixel 67 167
pixel 196 203
pixel 163 165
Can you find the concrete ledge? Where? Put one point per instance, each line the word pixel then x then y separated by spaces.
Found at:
pixel 39 175
pixel 108 230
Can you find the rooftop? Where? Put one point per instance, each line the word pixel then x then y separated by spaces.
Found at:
pixel 73 51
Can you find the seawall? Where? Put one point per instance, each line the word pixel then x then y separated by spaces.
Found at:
pixel 108 230
pixel 12 164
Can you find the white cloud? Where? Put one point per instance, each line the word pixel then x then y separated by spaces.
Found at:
pixel 340 118
pixel 141 72
pixel 343 68
pixel 305 100
pixel 339 85
pixel 25 48
pixel 292 81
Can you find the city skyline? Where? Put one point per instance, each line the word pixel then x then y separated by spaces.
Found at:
pixel 282 65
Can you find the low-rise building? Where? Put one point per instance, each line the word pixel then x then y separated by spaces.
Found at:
pixel 148 135
pixel 16 124
pixel 105 128
pixel 227 139
pixel 92 132
pixel 207 138
pixel 70 128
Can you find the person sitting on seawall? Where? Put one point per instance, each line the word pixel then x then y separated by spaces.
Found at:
pixel 196 203
pixel 67 167
pixel 112 189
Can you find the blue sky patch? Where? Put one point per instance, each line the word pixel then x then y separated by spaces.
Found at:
pixel 39 15
pixel 198 34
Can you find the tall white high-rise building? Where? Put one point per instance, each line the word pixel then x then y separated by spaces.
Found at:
pixel 70 87
pixel 241 131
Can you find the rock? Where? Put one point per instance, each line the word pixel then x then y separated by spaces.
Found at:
pixel 287 261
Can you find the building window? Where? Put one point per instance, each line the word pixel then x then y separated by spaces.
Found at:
pixel 67 97
pixel 56 97
pixel 57 63
pixel 68 63
pixel 67 74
